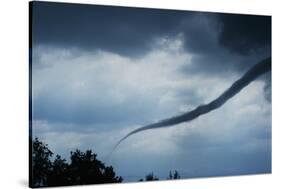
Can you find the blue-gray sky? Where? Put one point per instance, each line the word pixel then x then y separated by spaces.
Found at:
pixel 98 72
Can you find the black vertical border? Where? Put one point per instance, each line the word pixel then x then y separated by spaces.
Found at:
pixel 30 14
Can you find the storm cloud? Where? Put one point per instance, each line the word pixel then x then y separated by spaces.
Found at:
pixel 130 31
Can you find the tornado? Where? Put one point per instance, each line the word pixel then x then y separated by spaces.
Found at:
pixel 252 74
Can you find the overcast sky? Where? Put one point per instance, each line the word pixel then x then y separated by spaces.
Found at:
pixel 99 72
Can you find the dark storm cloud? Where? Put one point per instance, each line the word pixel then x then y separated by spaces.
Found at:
pixel 217 41
pixel 123 30
pixel 223 43
pixel 245 34
pixel 126 31
pixel 200 32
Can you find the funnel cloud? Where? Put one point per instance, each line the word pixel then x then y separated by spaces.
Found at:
pixel 260 68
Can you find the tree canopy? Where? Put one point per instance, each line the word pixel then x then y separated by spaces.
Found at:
pixel 83 168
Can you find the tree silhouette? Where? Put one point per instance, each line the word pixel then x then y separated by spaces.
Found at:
pixel 109 175
pixel 84 168
pixel 41 163
pixel 150 177
pixel 176 175
pixel 59 174
pixel 173 176
pixel 170 175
